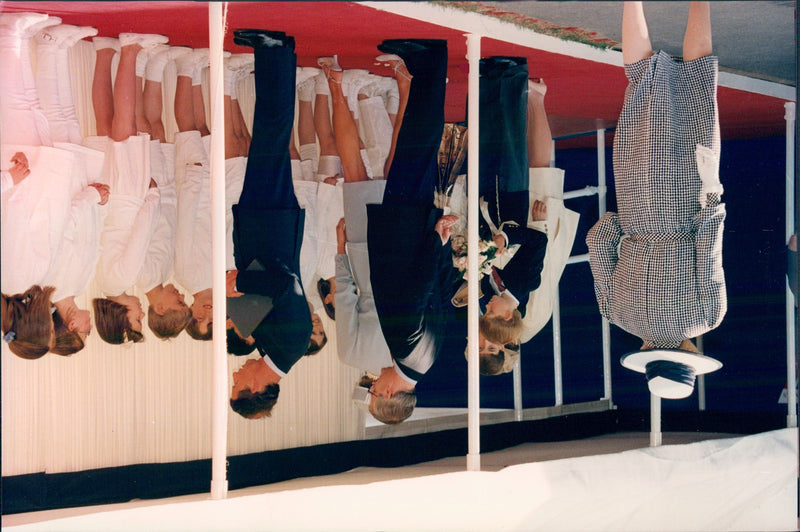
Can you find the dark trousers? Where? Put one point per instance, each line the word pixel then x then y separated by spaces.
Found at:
pixel 415 171
pixel 268 222
pixel 268 178
pixel 503 165
pixel 503 112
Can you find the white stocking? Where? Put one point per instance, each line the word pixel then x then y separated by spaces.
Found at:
pixel 23 121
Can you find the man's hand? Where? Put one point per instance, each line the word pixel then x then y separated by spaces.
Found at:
pixel 499 241
pixel 19 167
pixel 445 227
pixel 230 284
pixel 341 237
pixel 539 211
pixel 103 190
pixel 331 180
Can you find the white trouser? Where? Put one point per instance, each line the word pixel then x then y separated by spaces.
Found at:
pixel 53 82
pixel 22 120
pixel 377 132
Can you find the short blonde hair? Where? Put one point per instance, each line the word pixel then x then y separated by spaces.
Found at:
pixel 501 331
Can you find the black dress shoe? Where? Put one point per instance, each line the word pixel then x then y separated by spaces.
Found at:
pixel 262 38
pixel 411 45
pixel 496 65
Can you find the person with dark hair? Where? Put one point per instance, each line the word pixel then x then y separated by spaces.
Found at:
pixel 134 203
pixel 236 344
pixel 268 261
pixel 325 291
pixel 410 260
pixel 35 191
pixel 657 264
pixel 27 323
pixel 33 204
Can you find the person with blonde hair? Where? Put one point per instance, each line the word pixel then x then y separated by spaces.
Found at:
pixel 27 322
pixel 134 203
pixel 516 138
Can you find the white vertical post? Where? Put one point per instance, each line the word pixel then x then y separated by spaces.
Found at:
pixel 558 377
pixel 557 372
pixel 601 206
pixel 791 356
pixel 655 420
pixel 473 378
pixel 219 428
pixel 701 381
pixel 517 380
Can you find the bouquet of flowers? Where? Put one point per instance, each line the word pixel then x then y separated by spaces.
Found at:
pixel 487 250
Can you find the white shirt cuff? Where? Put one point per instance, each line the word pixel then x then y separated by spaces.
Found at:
pixel 268 361
pixel 403 375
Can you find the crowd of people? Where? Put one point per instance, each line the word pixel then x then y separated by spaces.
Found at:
pixel 335 211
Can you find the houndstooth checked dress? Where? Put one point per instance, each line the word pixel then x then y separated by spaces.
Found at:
pixel 657 265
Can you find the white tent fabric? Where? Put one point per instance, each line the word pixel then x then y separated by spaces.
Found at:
pixel 747 483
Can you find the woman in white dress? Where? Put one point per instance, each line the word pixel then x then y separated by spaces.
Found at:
pixel 135 199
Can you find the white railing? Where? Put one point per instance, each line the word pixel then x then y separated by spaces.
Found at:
pixel 600 190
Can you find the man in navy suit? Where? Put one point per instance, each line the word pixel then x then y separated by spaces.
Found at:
pixel 267 234
pixel 410 259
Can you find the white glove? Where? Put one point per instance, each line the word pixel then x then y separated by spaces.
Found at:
pixel 708 168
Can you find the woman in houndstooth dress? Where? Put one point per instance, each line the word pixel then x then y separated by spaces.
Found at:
pixel 657 265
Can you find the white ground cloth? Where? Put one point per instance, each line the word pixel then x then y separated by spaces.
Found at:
pixel 747 483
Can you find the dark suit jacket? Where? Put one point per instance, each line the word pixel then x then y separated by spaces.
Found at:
pixel 273 238
pixel 522 274
pixel 413 280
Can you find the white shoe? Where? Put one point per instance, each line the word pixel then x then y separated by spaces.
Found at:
pixel 106 42
pixel 200 57
pixel 332 62
pixel 321 84
pixel 64 35
pixel 239 61
pixel 306 89
pixel 154 71
pixel 145 40
pixel 305 73
pixel 371 87
pixel 144 55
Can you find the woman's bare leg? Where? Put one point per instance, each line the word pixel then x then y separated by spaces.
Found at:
pixel 184 108
pixel 153 106
pixel 323 126
pixel 142 125
pixel 232 141
pixel 306 133
pixel 635 37
pixel 403 88
pixel 539 137
pixel 345 131
pixel 697 39
pixel 102 94
pixel 123 124
pixel 199 111
pixel 241 127
pixel 293 153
